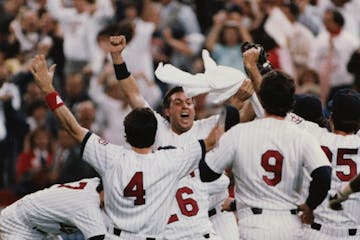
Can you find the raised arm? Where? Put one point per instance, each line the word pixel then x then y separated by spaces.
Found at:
pixel 126 80
pixel 250 62
pixel 43 78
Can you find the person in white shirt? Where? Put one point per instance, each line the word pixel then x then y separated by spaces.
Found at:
pixel 62 208
pixel 267 157
pixel 138 203
pixel 80 25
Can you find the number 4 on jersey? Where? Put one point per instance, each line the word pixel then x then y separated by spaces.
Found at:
pixel 135 188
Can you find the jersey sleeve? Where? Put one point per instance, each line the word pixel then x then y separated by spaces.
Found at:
pixel 188 157
pixel 313 156
pixel 100 154
pixel 90 219
pixel 308 126
pixel 222 156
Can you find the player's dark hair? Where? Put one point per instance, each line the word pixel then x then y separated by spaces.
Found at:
pixel 168 94
pixel 166 99
pixel 348 126
pixel 140 127
pixel 277 93
pixel 337 17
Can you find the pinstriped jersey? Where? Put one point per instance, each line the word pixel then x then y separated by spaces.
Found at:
pixel 343 153
pixel 267 157
pixel 217 190
pixel 139 188
pixel 191 204
pixel 62 208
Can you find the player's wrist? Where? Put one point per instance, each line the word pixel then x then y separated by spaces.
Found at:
pixel 53 100
pixel 345 191
pixel 117 58
pixel 121 71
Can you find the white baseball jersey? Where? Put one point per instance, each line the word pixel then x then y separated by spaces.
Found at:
pixel 344 154
pixel 224 223
pixel 62 208
pixel 139 188
pixel 190 205
pixel 267 157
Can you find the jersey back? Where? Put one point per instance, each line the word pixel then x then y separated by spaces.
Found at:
pixel 267 157
pixel 64 208
pixel 139 188
pixel 344 154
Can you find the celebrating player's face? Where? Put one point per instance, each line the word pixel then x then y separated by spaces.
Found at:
pixel 181 112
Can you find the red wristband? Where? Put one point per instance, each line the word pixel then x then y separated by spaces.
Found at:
pixel 53 100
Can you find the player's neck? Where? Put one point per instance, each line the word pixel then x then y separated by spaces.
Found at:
pixel 142 150
pixel 342 133
pixel 268 115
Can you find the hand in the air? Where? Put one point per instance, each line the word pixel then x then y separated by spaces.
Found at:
pixel 42 75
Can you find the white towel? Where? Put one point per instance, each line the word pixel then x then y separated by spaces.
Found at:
pixel 221 82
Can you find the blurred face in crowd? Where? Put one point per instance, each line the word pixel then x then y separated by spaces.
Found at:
pixel 29 21
pixel 80 5
pixel 33 91
pixel 41 139
pixel 231 36
pixel 330 24
pixel 4 74
pixel 39 114
pixel 47 23
pixel 85 114
pixel 339 3
pixel 74 85
pixel 181 112
pixel 131 12
pixel 65 139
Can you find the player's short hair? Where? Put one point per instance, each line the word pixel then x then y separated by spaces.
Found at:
pixel 140 127
pixel 277 93
pixel 309 107
pixel 345 108
pixel 168 94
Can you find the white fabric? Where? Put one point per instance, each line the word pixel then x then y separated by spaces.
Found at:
pixel 279 34
pixel 278 150
pixel 343 153
pixel 62 207
pixel 345 44
pixel 80 29
pixel 137 53
pixel 193 225
pixel 12 90
pixel 220 81
pixel 114 112
pixel 225 224
pixel 161 171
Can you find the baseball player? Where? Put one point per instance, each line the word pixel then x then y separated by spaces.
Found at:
pixel 139 184
pixel 342 149
pixel 189 216
pixel 62 208
pixel 267 157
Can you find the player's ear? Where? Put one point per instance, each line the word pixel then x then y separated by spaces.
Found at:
pixel 166 112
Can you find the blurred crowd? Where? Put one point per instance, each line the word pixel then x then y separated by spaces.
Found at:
pixel 315 41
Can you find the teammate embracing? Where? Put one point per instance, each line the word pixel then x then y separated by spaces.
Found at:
pixel 267 157
pixel 189 216
pixel 342 147
pixel 139 184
